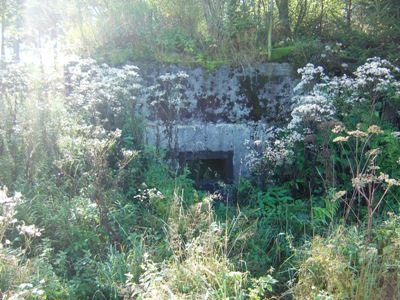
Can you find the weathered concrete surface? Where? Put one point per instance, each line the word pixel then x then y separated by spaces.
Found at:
pixel 227 95
pixel 211 137
pixel 214 111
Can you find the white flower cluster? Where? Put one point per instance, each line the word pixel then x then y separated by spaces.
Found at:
pixel 370 81
pixel 127 154
pixel 311 105
pixel 310 75
pixel 81 144
pixel 317 95
pixel 148 194
pixel 6 201
pixel 7 211
pixel 280 151
pixel 276 150
pixel 375 71
pixel 100 90
pixel 14 81
pixel 165 98
pixel 334 48
pixel 310 110
pixel 30 230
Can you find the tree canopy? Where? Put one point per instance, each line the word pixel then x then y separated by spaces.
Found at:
pixel 209 30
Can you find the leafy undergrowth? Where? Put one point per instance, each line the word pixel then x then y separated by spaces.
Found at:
pixel 190 252
pixel 345 266
pixel 91 213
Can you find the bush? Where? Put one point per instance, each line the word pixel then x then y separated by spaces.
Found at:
pixel 345 266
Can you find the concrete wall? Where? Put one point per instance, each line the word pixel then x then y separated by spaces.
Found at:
pixel 213 138
pixel 214 111
pixel 226 95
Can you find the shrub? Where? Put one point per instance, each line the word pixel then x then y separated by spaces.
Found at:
pixel 345 266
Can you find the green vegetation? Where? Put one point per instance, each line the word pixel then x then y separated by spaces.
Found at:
pixel 204 32
pixel 88 211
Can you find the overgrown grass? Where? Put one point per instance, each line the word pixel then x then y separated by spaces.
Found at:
pixel 200 265
pixel 94 223
pixel 345 266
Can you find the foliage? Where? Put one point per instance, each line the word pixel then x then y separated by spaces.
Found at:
pixel 368 184
pixel 104 217
pixel 322 102
pixel 117 267
pixel 344 265
pixel 231 30
pixel 200 264
pixel 101 93
pixel 68 167
pixel 29 127
pixel 281 54
pixel 209 30
pixel 321 109
pixel 307 51
pixel 20 275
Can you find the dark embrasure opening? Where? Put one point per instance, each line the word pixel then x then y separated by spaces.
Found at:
pixel 208 167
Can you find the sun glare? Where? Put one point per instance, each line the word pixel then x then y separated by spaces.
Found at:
pixel 41 35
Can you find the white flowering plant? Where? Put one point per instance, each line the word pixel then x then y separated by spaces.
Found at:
pixel 7 214
pixel 93 166
pixel 164 102
pixel 374 88
pixel 274 153
pixel 23 276
pixel 165 99
pixel 101 93
pixel 14 91
pixel 370 95
pixel 310 107
pixel 370 183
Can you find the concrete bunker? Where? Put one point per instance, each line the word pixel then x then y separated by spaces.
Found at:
pixel 214 122
pixel 208 168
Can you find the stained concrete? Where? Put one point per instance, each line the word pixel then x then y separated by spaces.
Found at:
pixel 224 110
pixel 226 95
pixel 212 138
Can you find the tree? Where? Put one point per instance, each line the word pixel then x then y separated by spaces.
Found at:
pixel 10 22
pixel 300 11
pixel 349 12
pixel 213 11
pixel 44 25
pixel 271 22
pixel 285 22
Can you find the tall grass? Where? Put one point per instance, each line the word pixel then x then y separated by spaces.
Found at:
pixel 345 266
pixel 199 266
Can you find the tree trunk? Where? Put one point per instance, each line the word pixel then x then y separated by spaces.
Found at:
pixel 271 23
pixel 302 12
pixel 212 10
pixel 321 18
pixel 349 12
pixel 3 23
pixel 17 50
pixel 284 18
